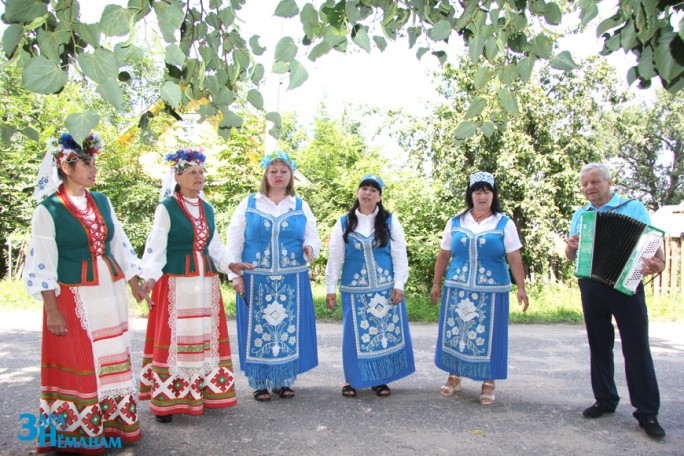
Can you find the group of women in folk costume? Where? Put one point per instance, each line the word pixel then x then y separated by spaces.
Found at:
pixel 80 260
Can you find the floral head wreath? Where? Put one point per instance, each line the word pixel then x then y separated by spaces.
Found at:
pixel 62 149
pixel 284 156
pixel 182 159
pixel 65 150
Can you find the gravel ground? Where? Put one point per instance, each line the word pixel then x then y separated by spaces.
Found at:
pixel 537 410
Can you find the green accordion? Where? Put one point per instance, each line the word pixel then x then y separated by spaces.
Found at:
pixel 612 248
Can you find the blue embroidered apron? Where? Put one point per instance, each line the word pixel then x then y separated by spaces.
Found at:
pixel 376 340
pixel 473 329
pixel 276 330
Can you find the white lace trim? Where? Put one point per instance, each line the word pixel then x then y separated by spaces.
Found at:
pixel 173 318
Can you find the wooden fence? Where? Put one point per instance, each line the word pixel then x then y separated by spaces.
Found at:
pixel 670 281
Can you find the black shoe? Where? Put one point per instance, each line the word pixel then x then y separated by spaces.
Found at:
pixel 596 410
pixel 163 418
pixel 651 426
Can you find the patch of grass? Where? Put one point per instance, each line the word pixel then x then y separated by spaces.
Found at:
pixel 548 304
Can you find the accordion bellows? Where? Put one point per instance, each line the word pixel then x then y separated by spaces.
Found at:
pixel 612 248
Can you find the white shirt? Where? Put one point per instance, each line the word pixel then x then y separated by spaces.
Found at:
pixel 40 271
pixel 511 239
pixel 235 239
pixel 366 227
pixel 154 257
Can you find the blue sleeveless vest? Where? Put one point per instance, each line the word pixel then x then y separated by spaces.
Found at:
pixel 366 267
pixel 478 260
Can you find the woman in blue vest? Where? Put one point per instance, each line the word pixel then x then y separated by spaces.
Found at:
pixel 275 232
pixel 369 247
pixel 187 362
pixel 473 325
pixel 78 264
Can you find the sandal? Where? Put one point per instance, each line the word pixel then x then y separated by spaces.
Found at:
pixel 381 390
pixel 487 395
pixel 284 393
pixel 452 385
pixel 261 395
pixel 348 390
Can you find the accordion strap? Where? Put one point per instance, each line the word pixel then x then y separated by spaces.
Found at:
pixel 623 203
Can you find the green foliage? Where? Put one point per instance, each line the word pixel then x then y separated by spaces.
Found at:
pixel 206 55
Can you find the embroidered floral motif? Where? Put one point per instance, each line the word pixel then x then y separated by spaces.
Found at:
pixel 378 317
pixel 466 323
pixel 275 325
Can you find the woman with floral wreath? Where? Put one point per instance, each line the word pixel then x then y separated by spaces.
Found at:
pixel 275 232
pixel 78 263
pixel 187 363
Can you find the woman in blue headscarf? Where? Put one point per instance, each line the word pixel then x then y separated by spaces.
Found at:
pixel 368 246
pixel 473 325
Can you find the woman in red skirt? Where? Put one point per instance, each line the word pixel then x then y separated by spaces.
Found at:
pixel 78 263
pixel 186 360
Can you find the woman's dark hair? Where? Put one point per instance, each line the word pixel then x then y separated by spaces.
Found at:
pixel 382 231
pixel 496 205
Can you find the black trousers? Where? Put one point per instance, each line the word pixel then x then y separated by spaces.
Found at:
pixel 600 303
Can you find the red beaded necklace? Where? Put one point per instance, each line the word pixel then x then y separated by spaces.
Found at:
pixel 90 218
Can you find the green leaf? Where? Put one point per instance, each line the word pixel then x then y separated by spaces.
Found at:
pixel 352 11
pixel 646 67
pixel 681 28
pixel 24 10
pixel 286 49
pixel 475 46
pixel 80 124
pixel 361 39
pixel 542 46
pixel 421 51
pixel 128 54
pixel 99 66
pixel 227 16
pixel 255 98
pixel 31 133
pixel 441 31
pixel 275 118
pixel 309 19
pixel 10 39
pixel 170 17
pixel 632 75
pixel 380 42
pixel 608 24
pixel 275 132
pixel 90 33
pixel 552 13
pixel 230 119
pixel 286 8
pixel 111 92
pixel 589 11
pixel 41 75
pixel 476 107
pixel 298 75
pixel 257 73
pixel 441 56
pixel 668 42
pixel 525 67
pixel 488 128
pixel 509 74
pixel 563 62
pixel 280 67
pixel 225 97
pixel 507 101
pixel 465 129
pixel 115 20
pixel 491 49
pixel 7 132
pixel 256 47
pixel 174 55
pixel 481 77
pixel 171 93
pixel 50 42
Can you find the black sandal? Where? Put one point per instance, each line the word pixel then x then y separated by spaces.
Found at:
pixel 261 395
pixel 163 418
pixel 348 391
pixel 284 393
pixel 382 390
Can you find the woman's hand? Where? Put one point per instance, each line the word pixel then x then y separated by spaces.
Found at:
pixel 331 301
pixel 238 285
pixel 237 268
pixel 140 292
pixel 522 298
pixel 309 253
pixel 56 323
pixel 397 296
pixel 435 294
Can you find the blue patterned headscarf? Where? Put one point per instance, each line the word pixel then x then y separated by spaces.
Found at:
pixel 481 176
